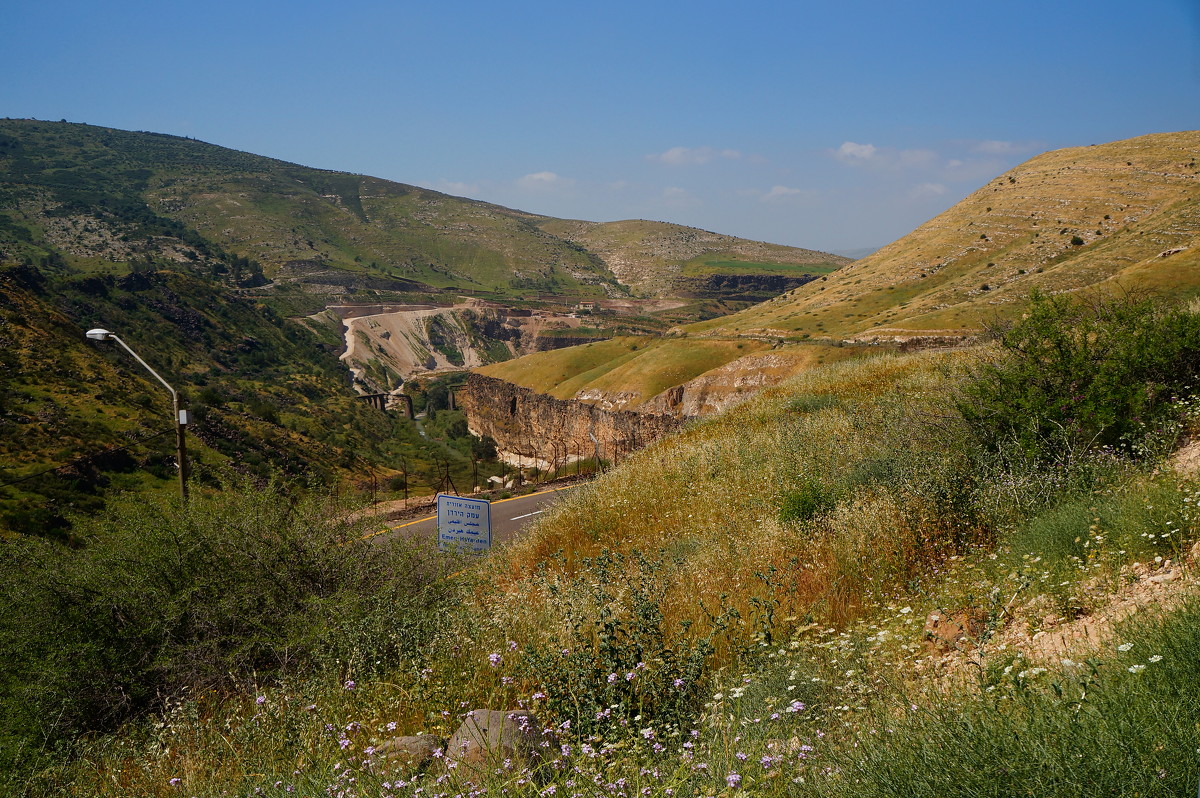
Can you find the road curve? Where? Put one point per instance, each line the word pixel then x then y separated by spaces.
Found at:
pixel 509 517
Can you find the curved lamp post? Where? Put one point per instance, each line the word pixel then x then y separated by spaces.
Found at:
pixel 181 416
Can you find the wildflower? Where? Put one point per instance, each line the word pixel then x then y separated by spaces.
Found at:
pixel 391 726
pixel 538 696
pixel 495 659
pixel 1136 668
pixel 262 699
pixel 612 677
pixel 733 780
pixel 678 683
pixel 350 684
pixel 648 733
pixel 175 782
pixel 344 743
pixel 1124 646
pixel 1156 658
pixel 512 645
pixel 741 756
pixel 629 677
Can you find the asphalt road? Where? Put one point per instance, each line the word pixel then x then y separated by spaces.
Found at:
pixel 509 517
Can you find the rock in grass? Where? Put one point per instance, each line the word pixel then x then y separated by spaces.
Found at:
pixel 487 738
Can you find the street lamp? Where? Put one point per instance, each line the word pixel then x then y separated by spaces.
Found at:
pixel 181 416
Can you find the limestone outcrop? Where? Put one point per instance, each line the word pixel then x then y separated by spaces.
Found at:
pixel 547 432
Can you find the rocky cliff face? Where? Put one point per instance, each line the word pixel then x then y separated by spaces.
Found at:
pixel 541 430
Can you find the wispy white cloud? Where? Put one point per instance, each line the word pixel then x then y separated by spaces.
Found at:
pixel 785 193
pixel 693 156
pixel 853 153
pixel 544 181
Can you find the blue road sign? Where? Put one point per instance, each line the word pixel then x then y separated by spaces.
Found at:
pixel 464 525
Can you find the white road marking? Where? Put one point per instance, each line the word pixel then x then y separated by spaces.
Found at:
pixel 519 517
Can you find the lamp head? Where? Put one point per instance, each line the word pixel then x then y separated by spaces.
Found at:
pixel 99 334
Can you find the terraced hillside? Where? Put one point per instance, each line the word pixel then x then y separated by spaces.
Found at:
pixel 1114 217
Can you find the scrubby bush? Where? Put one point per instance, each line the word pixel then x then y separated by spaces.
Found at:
pixel 1079 375
pixel 160 600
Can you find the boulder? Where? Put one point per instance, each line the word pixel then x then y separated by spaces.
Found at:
pixel 488 737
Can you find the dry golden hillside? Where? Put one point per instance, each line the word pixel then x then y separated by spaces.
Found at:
pixel 1118 217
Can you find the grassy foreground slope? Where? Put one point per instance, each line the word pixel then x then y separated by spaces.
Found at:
pixel 1117 217
pixel 844 587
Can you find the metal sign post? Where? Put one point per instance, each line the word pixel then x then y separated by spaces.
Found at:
pixel 464 525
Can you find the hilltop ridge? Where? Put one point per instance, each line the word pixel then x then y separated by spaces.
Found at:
pixel 1111 217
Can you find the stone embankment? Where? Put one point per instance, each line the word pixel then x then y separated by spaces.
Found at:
pixel 534 429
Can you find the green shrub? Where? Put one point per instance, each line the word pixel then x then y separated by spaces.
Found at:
pixel 234 588
pixel 811 498
pixel 1075 376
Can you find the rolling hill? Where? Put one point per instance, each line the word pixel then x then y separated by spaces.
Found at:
pixel 1114 217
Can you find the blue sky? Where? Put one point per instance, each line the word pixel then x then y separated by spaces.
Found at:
pixel 834 125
